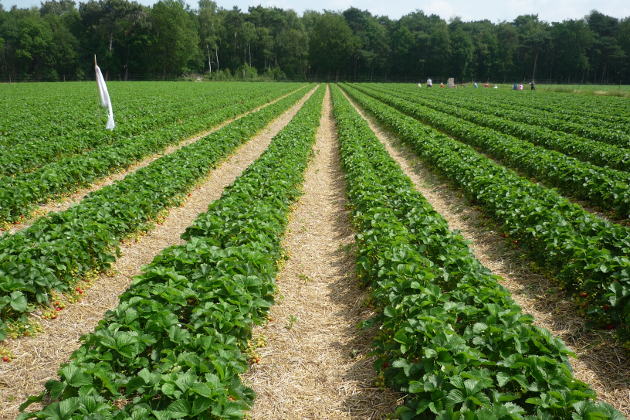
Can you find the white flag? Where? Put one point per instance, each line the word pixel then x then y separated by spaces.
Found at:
pixel 105 98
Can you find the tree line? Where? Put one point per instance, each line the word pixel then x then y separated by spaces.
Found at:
pixel 58 40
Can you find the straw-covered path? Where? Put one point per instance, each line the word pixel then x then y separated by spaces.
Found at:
pixel 601 363
pixel 37 359
pixel 313 365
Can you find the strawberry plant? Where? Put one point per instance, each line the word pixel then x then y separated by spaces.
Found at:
pixel 176 344
pixel 450 337
pixel 582 251
pixel 22 192
pixel 603 187
pixel 46 256
pixel 507 121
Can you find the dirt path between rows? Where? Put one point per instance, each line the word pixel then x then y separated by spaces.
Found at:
pixel 316 367
pixel 601 363
pixel 66 202
pixel 37 359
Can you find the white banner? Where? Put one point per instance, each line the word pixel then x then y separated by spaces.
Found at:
pixel 105 98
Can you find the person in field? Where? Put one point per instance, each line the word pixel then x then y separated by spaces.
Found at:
pixel 532 85
pixel 429 83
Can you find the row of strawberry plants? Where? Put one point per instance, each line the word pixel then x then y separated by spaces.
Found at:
pixel 56 110
pixel 576 248
pixel 617 137
pixel 47 256
pixel 29 155
pixel 576 107
pixel 174 346
pixel 19 195
pixel 544 109
pixel 602 187
pixel 451 337
pixel 505 121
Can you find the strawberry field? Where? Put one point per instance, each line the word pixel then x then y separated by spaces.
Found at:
pixel 548 173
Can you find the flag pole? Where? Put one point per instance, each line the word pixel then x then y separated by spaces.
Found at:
pixel 98 92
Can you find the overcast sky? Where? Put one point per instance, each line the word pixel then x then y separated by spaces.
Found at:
pixel 549 10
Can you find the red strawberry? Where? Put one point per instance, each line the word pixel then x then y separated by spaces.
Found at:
pixel 385 364
pixel 606 307
pixel 57 303
pixel 584 294
pixel 503 234
pixel 54 316
pixel 609 327
pixel 58 309
pixel 5 358
pixel 515 242
pixel 26 333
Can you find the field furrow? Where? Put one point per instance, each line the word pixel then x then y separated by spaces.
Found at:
pixel 316 366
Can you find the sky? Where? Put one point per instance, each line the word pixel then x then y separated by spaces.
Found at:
pixel 494 10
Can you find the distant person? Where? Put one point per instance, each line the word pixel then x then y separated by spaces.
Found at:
pixel 419 85
pixel 487 85
pixel 515 87
pixel 441 84
pixel 463 85
pixel 476 85
pixel 429 83
pixel 496 87
pixel 520 87
pixel 532 85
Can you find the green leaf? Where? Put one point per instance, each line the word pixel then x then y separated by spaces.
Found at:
pixel 179 409
pixel 18 301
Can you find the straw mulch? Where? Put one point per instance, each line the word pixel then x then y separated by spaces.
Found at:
pixel 37 359
pixel 318 368
pixel 63 203
pixel 601 362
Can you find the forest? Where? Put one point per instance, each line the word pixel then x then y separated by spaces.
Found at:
pixel 58 40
